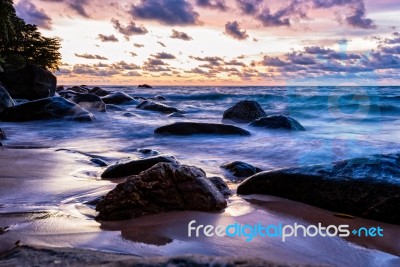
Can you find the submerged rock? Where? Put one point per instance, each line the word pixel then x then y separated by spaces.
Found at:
pixel 2 135
pixel 191 128
pixel 30 82
pixel 5 99
pixel 240 169
pixel 99 91
pixel 221 186
pixel 158 107
pixel 244 111
pixel 117 98
pixel 367 187
pixel 114 107
pixel 176 115
pixel 148 152
pixel 99 162
pixel 89 101
pixel 47 108
pixel 278 122
pixel 164 187
pixel 79 89
pixel 134 167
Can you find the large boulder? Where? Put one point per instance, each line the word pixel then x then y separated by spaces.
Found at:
pixel 5 99
pixel 158 107
pixel 221 186
pixel 98 91
pixel 240 169
pixel 89 102
pixel 367 187
pixel 117 98
pixel 30 82
pixel 164 187
pixel 47 108
pixel 191 128
pixel 244 111
pixel 278 122
pixel 135 167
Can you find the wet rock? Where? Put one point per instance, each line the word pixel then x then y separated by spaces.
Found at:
pixel 117 98
pixel 1 144
pixel 164 187
pixel 158 107
pixel 176 115
pixel 144 86
pixel 191 128
pixel 89 102
pixel 148 152
pixel 134 167
pixel 47 108
pixel 159 98
pixel 30 82
pixel 99 91
pixel 244 111
pixel 2 135
pixel 129 114
pixel 221 186
pixel 60 88
pixel 99 162
pixel 5 99
pixel 79 89
pixel 278 122
pixel 240 169
pixel 367 187
pixel 114 107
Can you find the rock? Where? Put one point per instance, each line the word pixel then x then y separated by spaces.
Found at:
pixel 2 135
pixel 163 187
pixel 240 169
pixel 367 187
pixel 99 162
pixel 117 98
pixel 278 122
pixel 144 86
pixel 1 144
pixel 176 115
pixel 47 108
pixel 148 152
pixel 99 91
pixel 244 111
pixel 89 102
pixel 190 128
pixel 30 82
pixel 159 98
pixel 114 107
pixel 134 167
pixel 154 106
pixel 5 99
pixel 79 89
pixel 129 114
pixel 221 186
pixel 60 88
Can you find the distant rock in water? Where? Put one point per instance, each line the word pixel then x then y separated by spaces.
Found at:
pixel 30 82
pixel 134 167
pixel 89 102
pixel 2 135
pixel 117 98
pixel 158 107
pixel 99 162
pixel 240 169
pixel 44 109
pixel 367 187
pixel 164 187
pixel 148 152
pixel 191 128
pixel 79 89
pixel 5 99
pixel 99 91
pixel 159 98
pixel 221 186
pixel 144 86
pixel 114 107
pixel 176 115
pixel 244 111
pixel 278 122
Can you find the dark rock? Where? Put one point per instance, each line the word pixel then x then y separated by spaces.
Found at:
pixel 153 106
pixel 134 167
pixel 60 88
pixel 240 169
pixel 190 128
pixel 1 144
pixel 278 122
pixel 47 108
pixel 30 82
pixel 244 111
pixel 114 107
pixel 221 186
pixel 148 152
pixel 5 99
pixel 176 115
pixel 99 162
pixel 144 86
pixel 367 187
pixel 2 135
pixel 159 98
pixel 117 98
pixel 129 114
pixel 139 98
pixel 99 91
pixel 164 187
pixel 79 89
pixel 89 102
pixel 95 201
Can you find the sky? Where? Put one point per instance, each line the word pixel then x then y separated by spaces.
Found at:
pixel 222 42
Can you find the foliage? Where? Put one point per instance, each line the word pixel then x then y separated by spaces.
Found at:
pixel 22 43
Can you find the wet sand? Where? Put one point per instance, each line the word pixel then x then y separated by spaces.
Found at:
pixel 42 195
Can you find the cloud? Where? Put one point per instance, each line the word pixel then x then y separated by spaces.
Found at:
pixel 249 7
pixel 161 43
pixel 235 62
pixel 212 61
pixel 168 12
pixel 273 62
pixel 93 71
pixel 277 19
pixel 130 29
pixel 133 54
pixel 359 20
pixel 394 40
pixel 212 4
pixel 138 45
pixel 89 56
pixel 163 55
pixel 232 29
pixel 107 38
pixel 122 65
pixel 31 14
pixel 391 50
pixel 180 35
